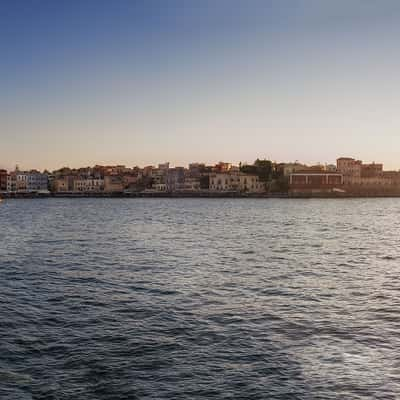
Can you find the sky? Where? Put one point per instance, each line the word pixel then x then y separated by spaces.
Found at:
pixel 132 82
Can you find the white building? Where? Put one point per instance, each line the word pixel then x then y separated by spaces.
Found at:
pixel 11 182
pixel 27 181
pixel 191 184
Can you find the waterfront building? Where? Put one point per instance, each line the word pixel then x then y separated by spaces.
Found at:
pixel 249 183
pixel 371 179
pixel 350 168
pixel 159 187
pixel 113 183
pixel 349 176
pixel 354 171
pixel 196 169
pixel 63 184
pixel 29 181
pixel 12 182
pixel 314 181
pixel 175 179
pixel 129 181
pixel 371 170
pixel 191 184
pixel 159 176
pixel 88 185
pixel 60 185
pixel 236 182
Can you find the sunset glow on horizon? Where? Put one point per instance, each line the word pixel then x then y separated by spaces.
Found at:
pixel 142 82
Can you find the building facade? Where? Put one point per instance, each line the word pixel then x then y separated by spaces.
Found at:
pixel 235 182
pixel 28 181
pixel 89 185
pixel 113 184
pixel 12 182
pixel 64 184
pixel 191 184
pixel 368 179
pixel 60 185
pixel 175 179
pixel 309 182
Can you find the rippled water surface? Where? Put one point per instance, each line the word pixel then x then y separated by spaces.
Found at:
pixel 199 299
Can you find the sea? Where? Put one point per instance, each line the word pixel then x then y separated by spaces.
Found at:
pixel 199 299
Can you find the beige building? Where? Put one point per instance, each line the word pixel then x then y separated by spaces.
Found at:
pixel 368 178
pixel 64 184
pixel 237 181
pixel 290 168
pixel 88 185
pixel 60 185
pixel 113 184
pixel 351 170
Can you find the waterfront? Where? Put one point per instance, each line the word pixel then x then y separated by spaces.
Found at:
pixel 199 299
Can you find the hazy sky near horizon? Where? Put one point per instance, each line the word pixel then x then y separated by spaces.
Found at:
pixel 141 82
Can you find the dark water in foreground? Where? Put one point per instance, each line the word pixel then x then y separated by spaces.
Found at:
pixel 199 299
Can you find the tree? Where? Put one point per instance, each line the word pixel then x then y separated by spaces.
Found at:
pixel 262 168
pixel 282 184
pixel 249 169
pixel 204 182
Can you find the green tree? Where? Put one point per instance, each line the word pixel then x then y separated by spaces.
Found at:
pixel 262 168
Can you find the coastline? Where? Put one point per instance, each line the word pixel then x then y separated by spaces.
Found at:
pixel 203 195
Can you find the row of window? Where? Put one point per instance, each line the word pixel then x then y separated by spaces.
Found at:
pixel 217 187
pixel 219 182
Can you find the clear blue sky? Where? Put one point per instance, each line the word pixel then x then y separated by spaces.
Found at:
pixel 140 82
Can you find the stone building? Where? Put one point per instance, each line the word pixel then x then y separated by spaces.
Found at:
pixel 368 179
